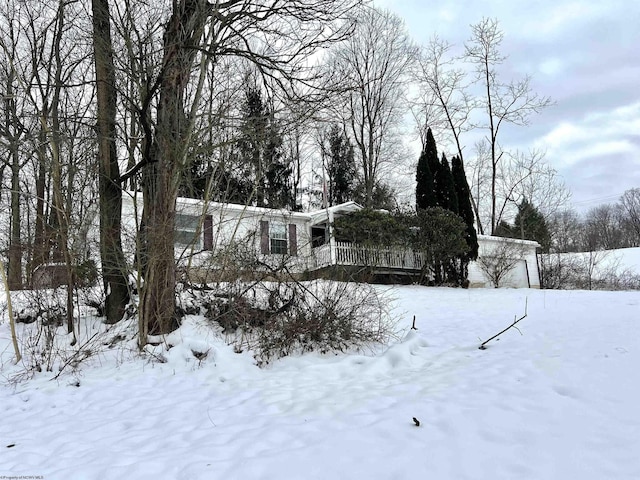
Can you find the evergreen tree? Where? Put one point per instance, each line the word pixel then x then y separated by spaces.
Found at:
pixel 259 150
pixel 193 181
pixel 503 229
pixel 254 137
pixel 382 197
pixel 530 224
pixel 371 228
pixel 278 171
pixel 465 210
pixel 425 191
pixel 440 236
pixel 445 189
pixel 431 152
pixel 341 167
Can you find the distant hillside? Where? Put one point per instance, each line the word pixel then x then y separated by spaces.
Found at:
pixel 600 270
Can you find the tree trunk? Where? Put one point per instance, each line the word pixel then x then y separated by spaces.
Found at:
pixel 41 237
pixel 114 269
pixel 163 167
pixel 14 272
pixel 61 214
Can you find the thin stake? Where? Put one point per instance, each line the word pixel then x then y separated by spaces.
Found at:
pixel 482 346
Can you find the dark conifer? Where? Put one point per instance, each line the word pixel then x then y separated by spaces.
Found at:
pixel 425 192
pixel 530 224
pixel 465 209
pixel 260 156
pixel 431 152
pixel 445 189
pixel 341 167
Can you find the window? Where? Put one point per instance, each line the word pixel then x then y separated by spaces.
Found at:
pixel 278 238
pixel 186 230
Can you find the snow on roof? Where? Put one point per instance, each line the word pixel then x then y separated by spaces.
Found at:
pixel 343 208
pixel 233 207
pixel 493 238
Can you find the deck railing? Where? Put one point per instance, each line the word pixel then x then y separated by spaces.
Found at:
pixel 356 255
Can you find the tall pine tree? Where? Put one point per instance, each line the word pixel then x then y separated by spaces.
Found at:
pixel 425 192
pixel 445 190
pixel 530 224
pixel 341 167
pixel 431 152
pixel 259 150
pixel 465 210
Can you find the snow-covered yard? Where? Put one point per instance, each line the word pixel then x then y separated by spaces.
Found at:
pixel 560 401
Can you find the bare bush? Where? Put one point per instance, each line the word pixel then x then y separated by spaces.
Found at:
pixel 329 316
pixel 277 319
pixel 558 271
pixel 45 342
pixel 499 262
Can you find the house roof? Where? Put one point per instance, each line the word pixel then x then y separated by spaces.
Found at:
pixel 200 205
pixel 324 214
pixel 314 217
pixel 493 238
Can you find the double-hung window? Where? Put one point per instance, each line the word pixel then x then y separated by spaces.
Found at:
pixel 186 232
pixel 278 238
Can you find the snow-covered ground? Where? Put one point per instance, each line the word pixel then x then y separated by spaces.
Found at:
pixel 560 401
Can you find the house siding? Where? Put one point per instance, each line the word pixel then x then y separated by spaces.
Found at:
pixel 524 274
pixel 222 225
pixel 225 224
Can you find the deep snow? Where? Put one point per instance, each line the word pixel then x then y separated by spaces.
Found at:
pixel 561 400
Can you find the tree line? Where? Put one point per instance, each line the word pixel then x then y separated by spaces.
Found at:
pixel 604 227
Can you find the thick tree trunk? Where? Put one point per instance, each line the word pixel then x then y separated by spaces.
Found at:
pixel 157 302
pixel 114 269
pixel 163 167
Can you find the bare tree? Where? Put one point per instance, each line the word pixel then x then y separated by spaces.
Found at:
pixel 444 102
pixel 46 103
pixel 500 260
pixel 114 270
pixel 630 211
pixel 526 176
pixel 12 133
pixel 565 229
pixel 503 103
pixel 374 65
pixel 453 104
pixel 601 229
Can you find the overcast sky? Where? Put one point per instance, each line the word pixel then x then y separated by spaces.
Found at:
pixel 586 56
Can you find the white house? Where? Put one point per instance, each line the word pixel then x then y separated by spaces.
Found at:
pixel 306 242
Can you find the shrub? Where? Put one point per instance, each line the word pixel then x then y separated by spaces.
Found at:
pixel 371 228
pixel 440 235
pixel 277 319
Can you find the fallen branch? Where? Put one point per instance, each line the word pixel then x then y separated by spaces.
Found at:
pixel 513 325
